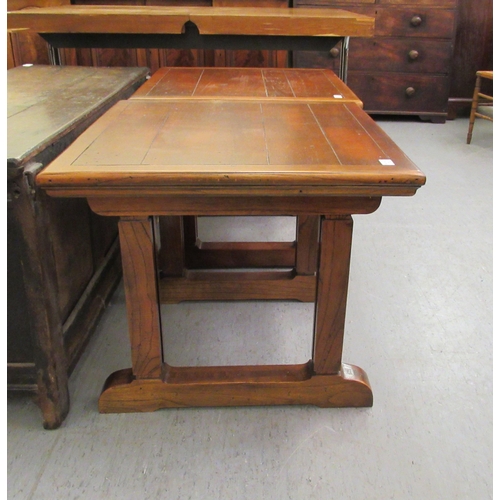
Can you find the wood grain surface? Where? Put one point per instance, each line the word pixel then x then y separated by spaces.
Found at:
pixel 229 147
pixel 331 300
pixel 246 82
pixel 238 285
pixel 138 251
pixel 237 386
pixel 209 20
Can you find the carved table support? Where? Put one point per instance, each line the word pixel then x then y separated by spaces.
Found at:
pixel 151 384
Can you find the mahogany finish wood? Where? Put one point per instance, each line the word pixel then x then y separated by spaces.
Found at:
pixel 190 156
pixel 235 83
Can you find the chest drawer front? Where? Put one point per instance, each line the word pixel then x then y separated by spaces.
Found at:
pixel 406 55
pixel 415 21
pixel 407 93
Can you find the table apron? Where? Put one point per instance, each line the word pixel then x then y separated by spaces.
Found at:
pixel 140 206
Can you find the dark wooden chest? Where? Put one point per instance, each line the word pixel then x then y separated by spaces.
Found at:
pixel 62 259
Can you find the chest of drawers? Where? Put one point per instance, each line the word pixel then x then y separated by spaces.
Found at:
pixel 405 69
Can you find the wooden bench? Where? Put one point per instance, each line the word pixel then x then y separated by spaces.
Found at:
pixel 189 156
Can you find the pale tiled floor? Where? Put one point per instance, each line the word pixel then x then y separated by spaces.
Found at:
pixel 419 321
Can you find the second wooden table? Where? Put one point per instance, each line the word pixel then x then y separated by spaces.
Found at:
pixel 183 256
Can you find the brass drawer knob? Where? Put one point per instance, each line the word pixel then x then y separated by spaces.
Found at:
pixel 410 91
pixel 413 54
pixel 334 52
pixel 416 21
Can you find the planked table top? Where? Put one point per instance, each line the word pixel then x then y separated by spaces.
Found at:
pixel 227 147
pixel 209 20
pixel 45 102
pixel 271 83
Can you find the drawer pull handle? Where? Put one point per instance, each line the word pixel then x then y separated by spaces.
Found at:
pixel 334 52
pixel 410 91
pixel 416 21
pixel 413 54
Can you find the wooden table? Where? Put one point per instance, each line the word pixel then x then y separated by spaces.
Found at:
pixel 133 26
pixel 63 261
pixel 221 156
pixel 271 83
pixel 184 258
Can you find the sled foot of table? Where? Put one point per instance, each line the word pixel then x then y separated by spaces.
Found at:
pixel 236 386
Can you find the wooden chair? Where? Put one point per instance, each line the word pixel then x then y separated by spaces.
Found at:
pixel 480 109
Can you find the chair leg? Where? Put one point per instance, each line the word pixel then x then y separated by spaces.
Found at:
pixel 473 110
